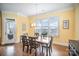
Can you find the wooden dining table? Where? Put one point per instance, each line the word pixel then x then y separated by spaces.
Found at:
pixel 42 40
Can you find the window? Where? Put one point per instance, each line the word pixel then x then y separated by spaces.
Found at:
pixel 54 25
pixel 48 26
pixel 38 27
pixel 44 27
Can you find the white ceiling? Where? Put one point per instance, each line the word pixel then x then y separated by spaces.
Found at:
pixel 29 9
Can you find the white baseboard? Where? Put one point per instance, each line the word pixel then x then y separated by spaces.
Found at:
pixel 7 43
pixel 59 43
pixel 17 42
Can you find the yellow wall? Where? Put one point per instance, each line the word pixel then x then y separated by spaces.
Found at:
pixel 64 34
pixel 19 21
pixel 77 22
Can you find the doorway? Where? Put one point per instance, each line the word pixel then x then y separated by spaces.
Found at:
pixel 10 31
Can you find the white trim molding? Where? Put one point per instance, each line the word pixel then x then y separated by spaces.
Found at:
pixel 59 43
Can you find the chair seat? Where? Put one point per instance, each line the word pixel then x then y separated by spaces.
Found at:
pixel 26 44
pixel 34 45
pixel 44 45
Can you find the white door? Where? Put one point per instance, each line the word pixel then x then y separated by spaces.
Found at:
pixel 10 31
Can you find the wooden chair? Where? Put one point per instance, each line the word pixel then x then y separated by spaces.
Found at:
pixel 36 34
pixel 33 44
pixel 48 47
pixel 24 34
pixel 25 42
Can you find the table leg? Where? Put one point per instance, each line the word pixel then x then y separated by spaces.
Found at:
pixel 35 52
pixel 46 50
pixel 49 52
pixel 42 50
pixel 27 48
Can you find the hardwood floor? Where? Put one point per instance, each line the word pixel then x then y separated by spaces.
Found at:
pixel 16 50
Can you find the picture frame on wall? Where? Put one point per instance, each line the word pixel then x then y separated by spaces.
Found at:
pixel 66 24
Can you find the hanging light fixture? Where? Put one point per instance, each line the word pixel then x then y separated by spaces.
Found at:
pixel 33 25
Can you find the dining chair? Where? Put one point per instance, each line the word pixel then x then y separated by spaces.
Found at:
pixel 24 34
pixel 25 42
pixel 36 34
pixel 33 44
pixel 48 46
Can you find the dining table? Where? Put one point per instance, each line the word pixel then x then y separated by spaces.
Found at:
pixel 42 40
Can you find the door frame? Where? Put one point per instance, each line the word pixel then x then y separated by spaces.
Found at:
pixel 4 29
